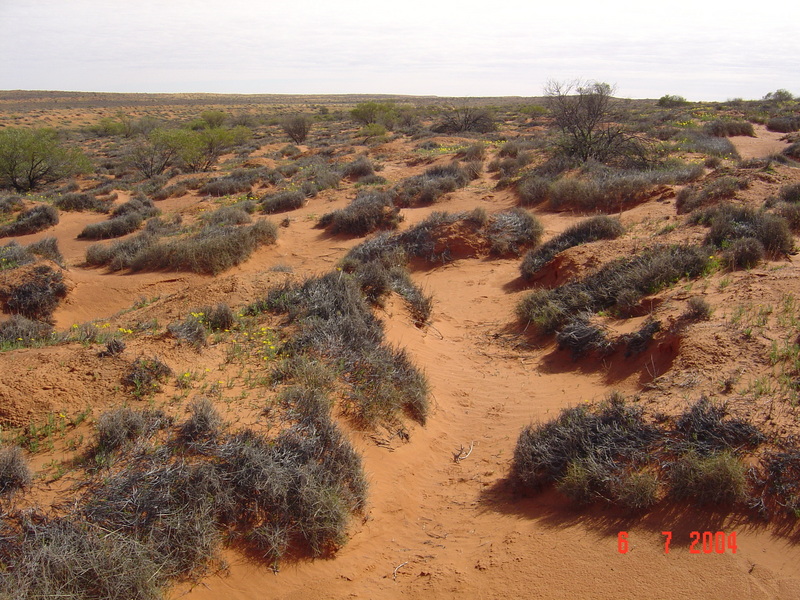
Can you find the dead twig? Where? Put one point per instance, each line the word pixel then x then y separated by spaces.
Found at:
pixel 461 455
pixel 394 575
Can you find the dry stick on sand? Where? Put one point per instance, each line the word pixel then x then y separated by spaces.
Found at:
pixel 394 575
pixel 460 455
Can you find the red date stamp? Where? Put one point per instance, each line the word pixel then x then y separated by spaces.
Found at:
pixel 705 542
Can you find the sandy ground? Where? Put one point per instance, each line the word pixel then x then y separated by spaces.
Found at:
pixel 436 527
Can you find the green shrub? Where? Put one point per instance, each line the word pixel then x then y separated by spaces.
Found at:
pixel 703 143
pixel 719 478
pixel 119 255
pixel 226 216
pixel 671 101
pixel 30 158
pixel 33 220
pixel 589 230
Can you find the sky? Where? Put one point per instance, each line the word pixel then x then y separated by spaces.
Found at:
pixel 700 50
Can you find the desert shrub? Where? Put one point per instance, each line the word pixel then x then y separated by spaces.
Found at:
pixel 589 230
pixel 784 124
pixel 46 248
pixel 297 127
pixel 212 250
pixel 779 483
pixel 582 450
pixel 116 227
pixel 171 191
pixel 790 193
pixel 691 198
pixel 744 253
pixel 146 375
pixel 65 558
pixel 80 202
pixel 335 321
pixel 671 101
pixel 305 370
pixel 237 182
pixel 609 452
pixel 702 143
pixel 508 232
pixel 474 152
pixel 283 201
pixel 139 204
pixel 204 421
pixel 190 329
pixel 430 185
pixel 358 168
pixel 37 297
pixel 10 203
pixel 33 220
pixel 118 426
pixel 14 471
pixel 616 284
pixel 114 347
pixel 705 429
pixel 637 342
pixel 219 317
pixel 369 211
pixel 731 222
pixel 12 255
pixel 729 127
pixel 698 308
pixel 226 216
pixel 119 255
pixel 465 118
pixel 718 478
pixel 579 336
pixel 533 189
pixel 792 151
pixel 19 330
pixel 791 213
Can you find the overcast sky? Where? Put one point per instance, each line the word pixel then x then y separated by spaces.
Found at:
pixel 703 50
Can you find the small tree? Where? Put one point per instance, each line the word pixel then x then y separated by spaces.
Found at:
pixel 33 157
pixel 780 95
pixel 366 113
pixel 466 118
pixel 296 127
pixel 671 101
pixel 583 111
